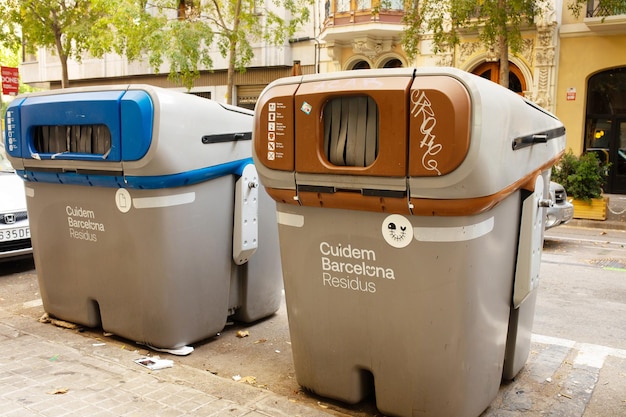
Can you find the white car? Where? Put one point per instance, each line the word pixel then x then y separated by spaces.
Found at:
pixel 560 211
pixel 14 229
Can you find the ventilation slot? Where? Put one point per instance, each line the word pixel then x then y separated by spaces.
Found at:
pixel 85 139
pixel 351 131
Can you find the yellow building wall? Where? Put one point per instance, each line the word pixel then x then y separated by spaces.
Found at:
pixel 580 58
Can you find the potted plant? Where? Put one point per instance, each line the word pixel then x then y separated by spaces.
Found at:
pixel 583 178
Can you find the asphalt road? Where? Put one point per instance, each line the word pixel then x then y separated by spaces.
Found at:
pixel 577 365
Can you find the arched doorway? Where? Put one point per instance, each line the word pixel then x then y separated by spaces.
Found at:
pixel 491 71
pixel 605 124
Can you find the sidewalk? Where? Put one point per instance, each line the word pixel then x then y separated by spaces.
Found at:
pixel 50 371
pixel 55 372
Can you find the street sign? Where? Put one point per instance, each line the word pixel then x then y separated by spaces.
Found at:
pixel 10 80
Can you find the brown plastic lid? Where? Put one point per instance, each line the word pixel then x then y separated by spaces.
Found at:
pixel 440 123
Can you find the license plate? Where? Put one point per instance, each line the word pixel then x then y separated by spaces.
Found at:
pixel 17 233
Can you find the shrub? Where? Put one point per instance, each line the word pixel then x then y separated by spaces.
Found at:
pixel 582 177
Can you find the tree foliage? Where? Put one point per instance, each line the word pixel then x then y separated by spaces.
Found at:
pixel 498 23
pixel 9 30
pixel 190 30
pixel 184 34
pixel 71 28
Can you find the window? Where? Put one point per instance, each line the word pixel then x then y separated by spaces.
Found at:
pixel 361 65
pixel 607 92
pixel 393 63
pixel 342 6
pixel 363 4
pixel 203 94
pixel 392 4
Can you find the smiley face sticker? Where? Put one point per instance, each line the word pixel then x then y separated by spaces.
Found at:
pixel 397 231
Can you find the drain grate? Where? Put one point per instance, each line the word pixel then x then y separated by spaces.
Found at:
pixel 609 263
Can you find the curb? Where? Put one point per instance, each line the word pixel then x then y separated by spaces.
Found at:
pixel 597 224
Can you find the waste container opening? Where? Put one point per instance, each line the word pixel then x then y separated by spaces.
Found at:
pixel 351 131
pixel 86 139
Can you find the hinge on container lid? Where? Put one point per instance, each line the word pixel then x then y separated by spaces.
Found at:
pixel 245 228
pixel 530 243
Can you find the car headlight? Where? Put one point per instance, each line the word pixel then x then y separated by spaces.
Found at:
pixel 551 220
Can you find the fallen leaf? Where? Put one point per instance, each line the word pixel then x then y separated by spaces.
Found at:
pixel 251 380
pixel 243 333
pixel 63 324
pixel 260 341
pixel 59 391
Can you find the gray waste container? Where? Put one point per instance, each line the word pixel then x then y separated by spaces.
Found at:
pixel 145 212
pixel 410 216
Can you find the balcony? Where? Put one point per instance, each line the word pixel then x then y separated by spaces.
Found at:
pixel 599 8
pixel 606 16
pixel 349 22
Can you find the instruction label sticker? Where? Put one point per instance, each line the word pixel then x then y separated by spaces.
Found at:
pixel 275 130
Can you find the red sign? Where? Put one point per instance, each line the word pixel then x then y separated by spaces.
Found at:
pixel 10 80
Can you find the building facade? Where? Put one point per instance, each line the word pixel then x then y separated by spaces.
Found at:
pixel 572 66
pixel 591 86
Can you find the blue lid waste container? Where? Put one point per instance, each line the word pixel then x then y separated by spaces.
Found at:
pixel 145 211
pixel 411 209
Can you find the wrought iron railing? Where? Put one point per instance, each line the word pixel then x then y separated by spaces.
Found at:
pixel 604 8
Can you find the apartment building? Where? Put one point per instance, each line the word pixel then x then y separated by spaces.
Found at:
pixel 591 86
pixel 573 66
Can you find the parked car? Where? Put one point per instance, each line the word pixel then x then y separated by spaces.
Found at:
pixel 14 229
pixel 560 211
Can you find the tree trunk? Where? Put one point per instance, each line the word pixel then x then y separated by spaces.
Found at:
pixel 503 46
pixel 504 60
pixel 232 55
pixel 65 79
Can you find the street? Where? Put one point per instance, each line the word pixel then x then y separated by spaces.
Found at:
pixel 577 364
